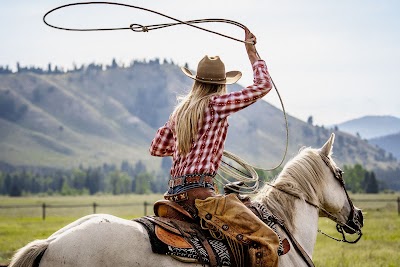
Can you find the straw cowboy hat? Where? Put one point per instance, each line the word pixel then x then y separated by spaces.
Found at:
pixel 212 70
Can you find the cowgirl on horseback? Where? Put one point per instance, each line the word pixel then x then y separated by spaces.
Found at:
pixel 195 135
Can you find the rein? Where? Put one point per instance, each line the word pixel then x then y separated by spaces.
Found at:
pixel 339 225
pixel 338 173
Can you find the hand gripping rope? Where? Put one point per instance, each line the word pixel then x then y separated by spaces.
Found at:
pixel 247 179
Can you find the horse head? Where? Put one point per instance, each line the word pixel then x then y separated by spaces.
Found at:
pixel 336 203
pixel 314 178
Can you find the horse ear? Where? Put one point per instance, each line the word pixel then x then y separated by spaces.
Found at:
pixel 327 148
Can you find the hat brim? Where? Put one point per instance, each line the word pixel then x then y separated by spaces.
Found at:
pixel 231 77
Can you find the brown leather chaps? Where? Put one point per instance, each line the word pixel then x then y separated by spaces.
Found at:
pixel 236 222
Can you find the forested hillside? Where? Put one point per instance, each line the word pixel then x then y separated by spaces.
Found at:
pixel 95 115
pixel 390 143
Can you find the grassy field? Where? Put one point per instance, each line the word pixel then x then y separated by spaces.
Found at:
pixel 379 246
pixel 18 226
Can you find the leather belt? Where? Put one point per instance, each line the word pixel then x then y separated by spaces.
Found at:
pixel 191 179
pixel 177 197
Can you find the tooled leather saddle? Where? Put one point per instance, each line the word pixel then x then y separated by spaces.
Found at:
pixel 173 231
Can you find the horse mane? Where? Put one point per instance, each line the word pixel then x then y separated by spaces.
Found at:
pixel 301 178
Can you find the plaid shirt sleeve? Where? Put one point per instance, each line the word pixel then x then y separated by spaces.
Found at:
pixel 163 143
pixel 232 102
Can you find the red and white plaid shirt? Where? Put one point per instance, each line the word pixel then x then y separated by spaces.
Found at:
pixel 206 152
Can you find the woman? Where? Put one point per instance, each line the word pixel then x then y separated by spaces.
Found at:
pixel 195 135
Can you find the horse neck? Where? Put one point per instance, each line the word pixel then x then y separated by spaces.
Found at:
pixel 300 218
pixel 305 221
pixel 300 179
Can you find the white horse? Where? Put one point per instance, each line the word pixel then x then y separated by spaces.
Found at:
pixel 308 187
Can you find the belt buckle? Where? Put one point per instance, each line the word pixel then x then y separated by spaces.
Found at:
pixel 172 183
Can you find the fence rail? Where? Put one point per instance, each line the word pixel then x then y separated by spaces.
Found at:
pixel 381 200
pixel 94 206
pixel 145 204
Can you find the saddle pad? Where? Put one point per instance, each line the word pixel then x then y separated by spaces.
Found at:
pixel 168 243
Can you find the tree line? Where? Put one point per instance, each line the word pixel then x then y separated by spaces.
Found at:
pixel 360 180
pixel 88 68
pixel 134 178
pixel 108 178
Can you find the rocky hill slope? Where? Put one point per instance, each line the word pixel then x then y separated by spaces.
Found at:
pixel 91 116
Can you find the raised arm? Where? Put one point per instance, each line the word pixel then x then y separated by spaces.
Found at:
pixel 250 45
pixel 229 103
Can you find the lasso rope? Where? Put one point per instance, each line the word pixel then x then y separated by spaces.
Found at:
pixel 250 180
pixel 145 28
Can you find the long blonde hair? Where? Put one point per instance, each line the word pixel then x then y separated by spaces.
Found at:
pixel 190 111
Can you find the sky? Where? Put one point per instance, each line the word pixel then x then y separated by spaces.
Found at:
pixel 334 60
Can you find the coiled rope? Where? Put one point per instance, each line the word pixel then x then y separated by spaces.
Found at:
pixel 250 179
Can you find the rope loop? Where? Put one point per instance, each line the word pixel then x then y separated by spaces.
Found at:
pixel 138 28
pixel 252 177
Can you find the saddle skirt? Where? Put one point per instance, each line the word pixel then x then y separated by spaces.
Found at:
pixel 186 241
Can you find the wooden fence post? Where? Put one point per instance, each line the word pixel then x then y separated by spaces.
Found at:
pixel 44 211
pixel 94 207
pixel 398 205
pixel 145 208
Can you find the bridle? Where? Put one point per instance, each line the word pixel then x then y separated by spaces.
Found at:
pixel 353 221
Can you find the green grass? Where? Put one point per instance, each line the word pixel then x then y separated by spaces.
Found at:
pixel 18 226
pixel 379 246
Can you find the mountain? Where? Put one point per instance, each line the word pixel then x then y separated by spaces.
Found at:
pixel 93 115
pixel 390 143
pixel 371 126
